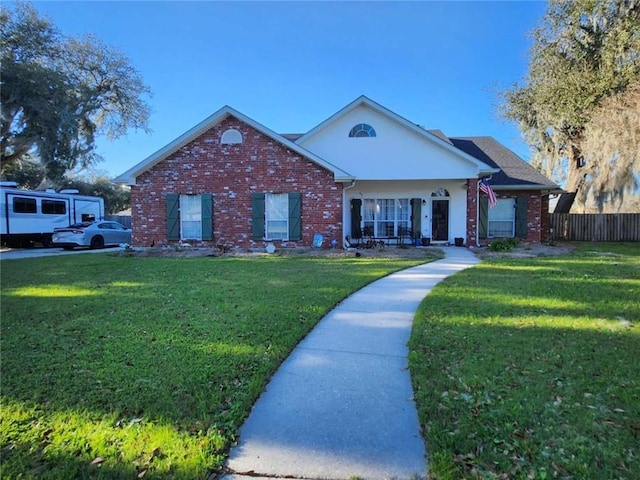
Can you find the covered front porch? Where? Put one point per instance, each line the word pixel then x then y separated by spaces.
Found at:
pixel 404 212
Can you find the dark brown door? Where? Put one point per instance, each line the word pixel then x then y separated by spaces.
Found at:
pixel 440 220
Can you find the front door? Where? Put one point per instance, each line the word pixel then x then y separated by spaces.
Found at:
pixel 440 220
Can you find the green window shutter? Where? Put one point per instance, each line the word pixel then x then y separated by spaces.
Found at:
pixel 356 218
pixel 483 216
pixel 257 216
pixel 172 202
pixel 295 216
pixel 207 216
pixel 416 216
pixel 521 217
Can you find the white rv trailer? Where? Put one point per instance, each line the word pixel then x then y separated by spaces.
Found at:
pixel 29 216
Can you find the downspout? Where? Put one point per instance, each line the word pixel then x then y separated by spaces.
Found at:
pixel 344 211
pixel 478 212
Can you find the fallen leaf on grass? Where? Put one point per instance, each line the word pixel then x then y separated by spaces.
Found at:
pixel 156 453
pixel 97 461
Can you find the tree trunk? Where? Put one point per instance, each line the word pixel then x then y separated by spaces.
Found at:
pixel 576 181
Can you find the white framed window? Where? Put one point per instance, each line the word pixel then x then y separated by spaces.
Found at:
pixel 385 217
pixel 276 216
pixel 502 219
pixel 231 137
pixel 403 214
pixel 362 130
pixel 191 217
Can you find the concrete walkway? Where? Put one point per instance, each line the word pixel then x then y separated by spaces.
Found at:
pixel 342 404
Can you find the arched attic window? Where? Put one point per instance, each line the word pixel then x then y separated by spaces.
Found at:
pixel 440 192
pixel 362 130
pixel 230 137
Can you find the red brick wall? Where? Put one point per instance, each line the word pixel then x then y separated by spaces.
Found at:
pixel 232 173
pixel 534 220
pixel 472 211
pixel 544 219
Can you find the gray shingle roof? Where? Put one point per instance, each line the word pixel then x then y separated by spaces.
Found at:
pixel 440 134
pixel 514 171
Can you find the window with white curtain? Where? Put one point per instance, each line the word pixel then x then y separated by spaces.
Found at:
pixel 502 219
pixel 403 214
pixel 385 217
pixel 190 217
pixel 368 217
pixel 276 213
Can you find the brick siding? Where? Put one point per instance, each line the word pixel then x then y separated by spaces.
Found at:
pixel 545 222
pixel 232 173
pixel 472 211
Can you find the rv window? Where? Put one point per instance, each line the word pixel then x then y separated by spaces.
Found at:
pixel 54 207
pixel 24 205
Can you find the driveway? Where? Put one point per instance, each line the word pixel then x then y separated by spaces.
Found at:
pixel 16 253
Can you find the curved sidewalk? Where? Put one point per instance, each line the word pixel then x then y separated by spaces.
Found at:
pixel 341 405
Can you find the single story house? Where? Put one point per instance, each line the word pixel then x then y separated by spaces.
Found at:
pixel 364 173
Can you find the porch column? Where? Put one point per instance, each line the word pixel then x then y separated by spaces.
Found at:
pixel 472 212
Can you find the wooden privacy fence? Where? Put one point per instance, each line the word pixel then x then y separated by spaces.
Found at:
pixel 123 219
pixel 618 227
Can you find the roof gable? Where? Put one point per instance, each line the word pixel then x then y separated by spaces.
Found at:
pixel 129 177
pixel 400 149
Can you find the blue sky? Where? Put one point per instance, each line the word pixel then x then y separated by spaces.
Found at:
pixel 290 65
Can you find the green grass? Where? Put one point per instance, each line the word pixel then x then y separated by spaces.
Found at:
pixel 119 367
pixel 530 368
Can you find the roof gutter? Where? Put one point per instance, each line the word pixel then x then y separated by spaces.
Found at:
pixel 547 188
pixel 487 172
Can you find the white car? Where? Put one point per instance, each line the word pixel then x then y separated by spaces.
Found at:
pixel 91 234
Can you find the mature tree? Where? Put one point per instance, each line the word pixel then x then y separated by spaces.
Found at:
pixel 59 93
pixel 116 197
pixel 583 72
pixel 612 143
pixel 27 173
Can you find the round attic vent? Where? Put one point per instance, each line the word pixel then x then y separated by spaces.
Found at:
pixel 231 136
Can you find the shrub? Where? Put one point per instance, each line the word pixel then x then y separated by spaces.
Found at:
pixel 503 245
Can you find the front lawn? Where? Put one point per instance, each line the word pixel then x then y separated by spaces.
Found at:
pixel 125 367
pixel 530 368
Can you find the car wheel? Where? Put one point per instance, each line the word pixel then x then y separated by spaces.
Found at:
pixel 97 242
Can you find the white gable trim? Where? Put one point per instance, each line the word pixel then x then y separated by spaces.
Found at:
pixel 482 168
pixel 129 177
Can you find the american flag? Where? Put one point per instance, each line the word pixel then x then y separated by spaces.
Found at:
pixel 488 191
